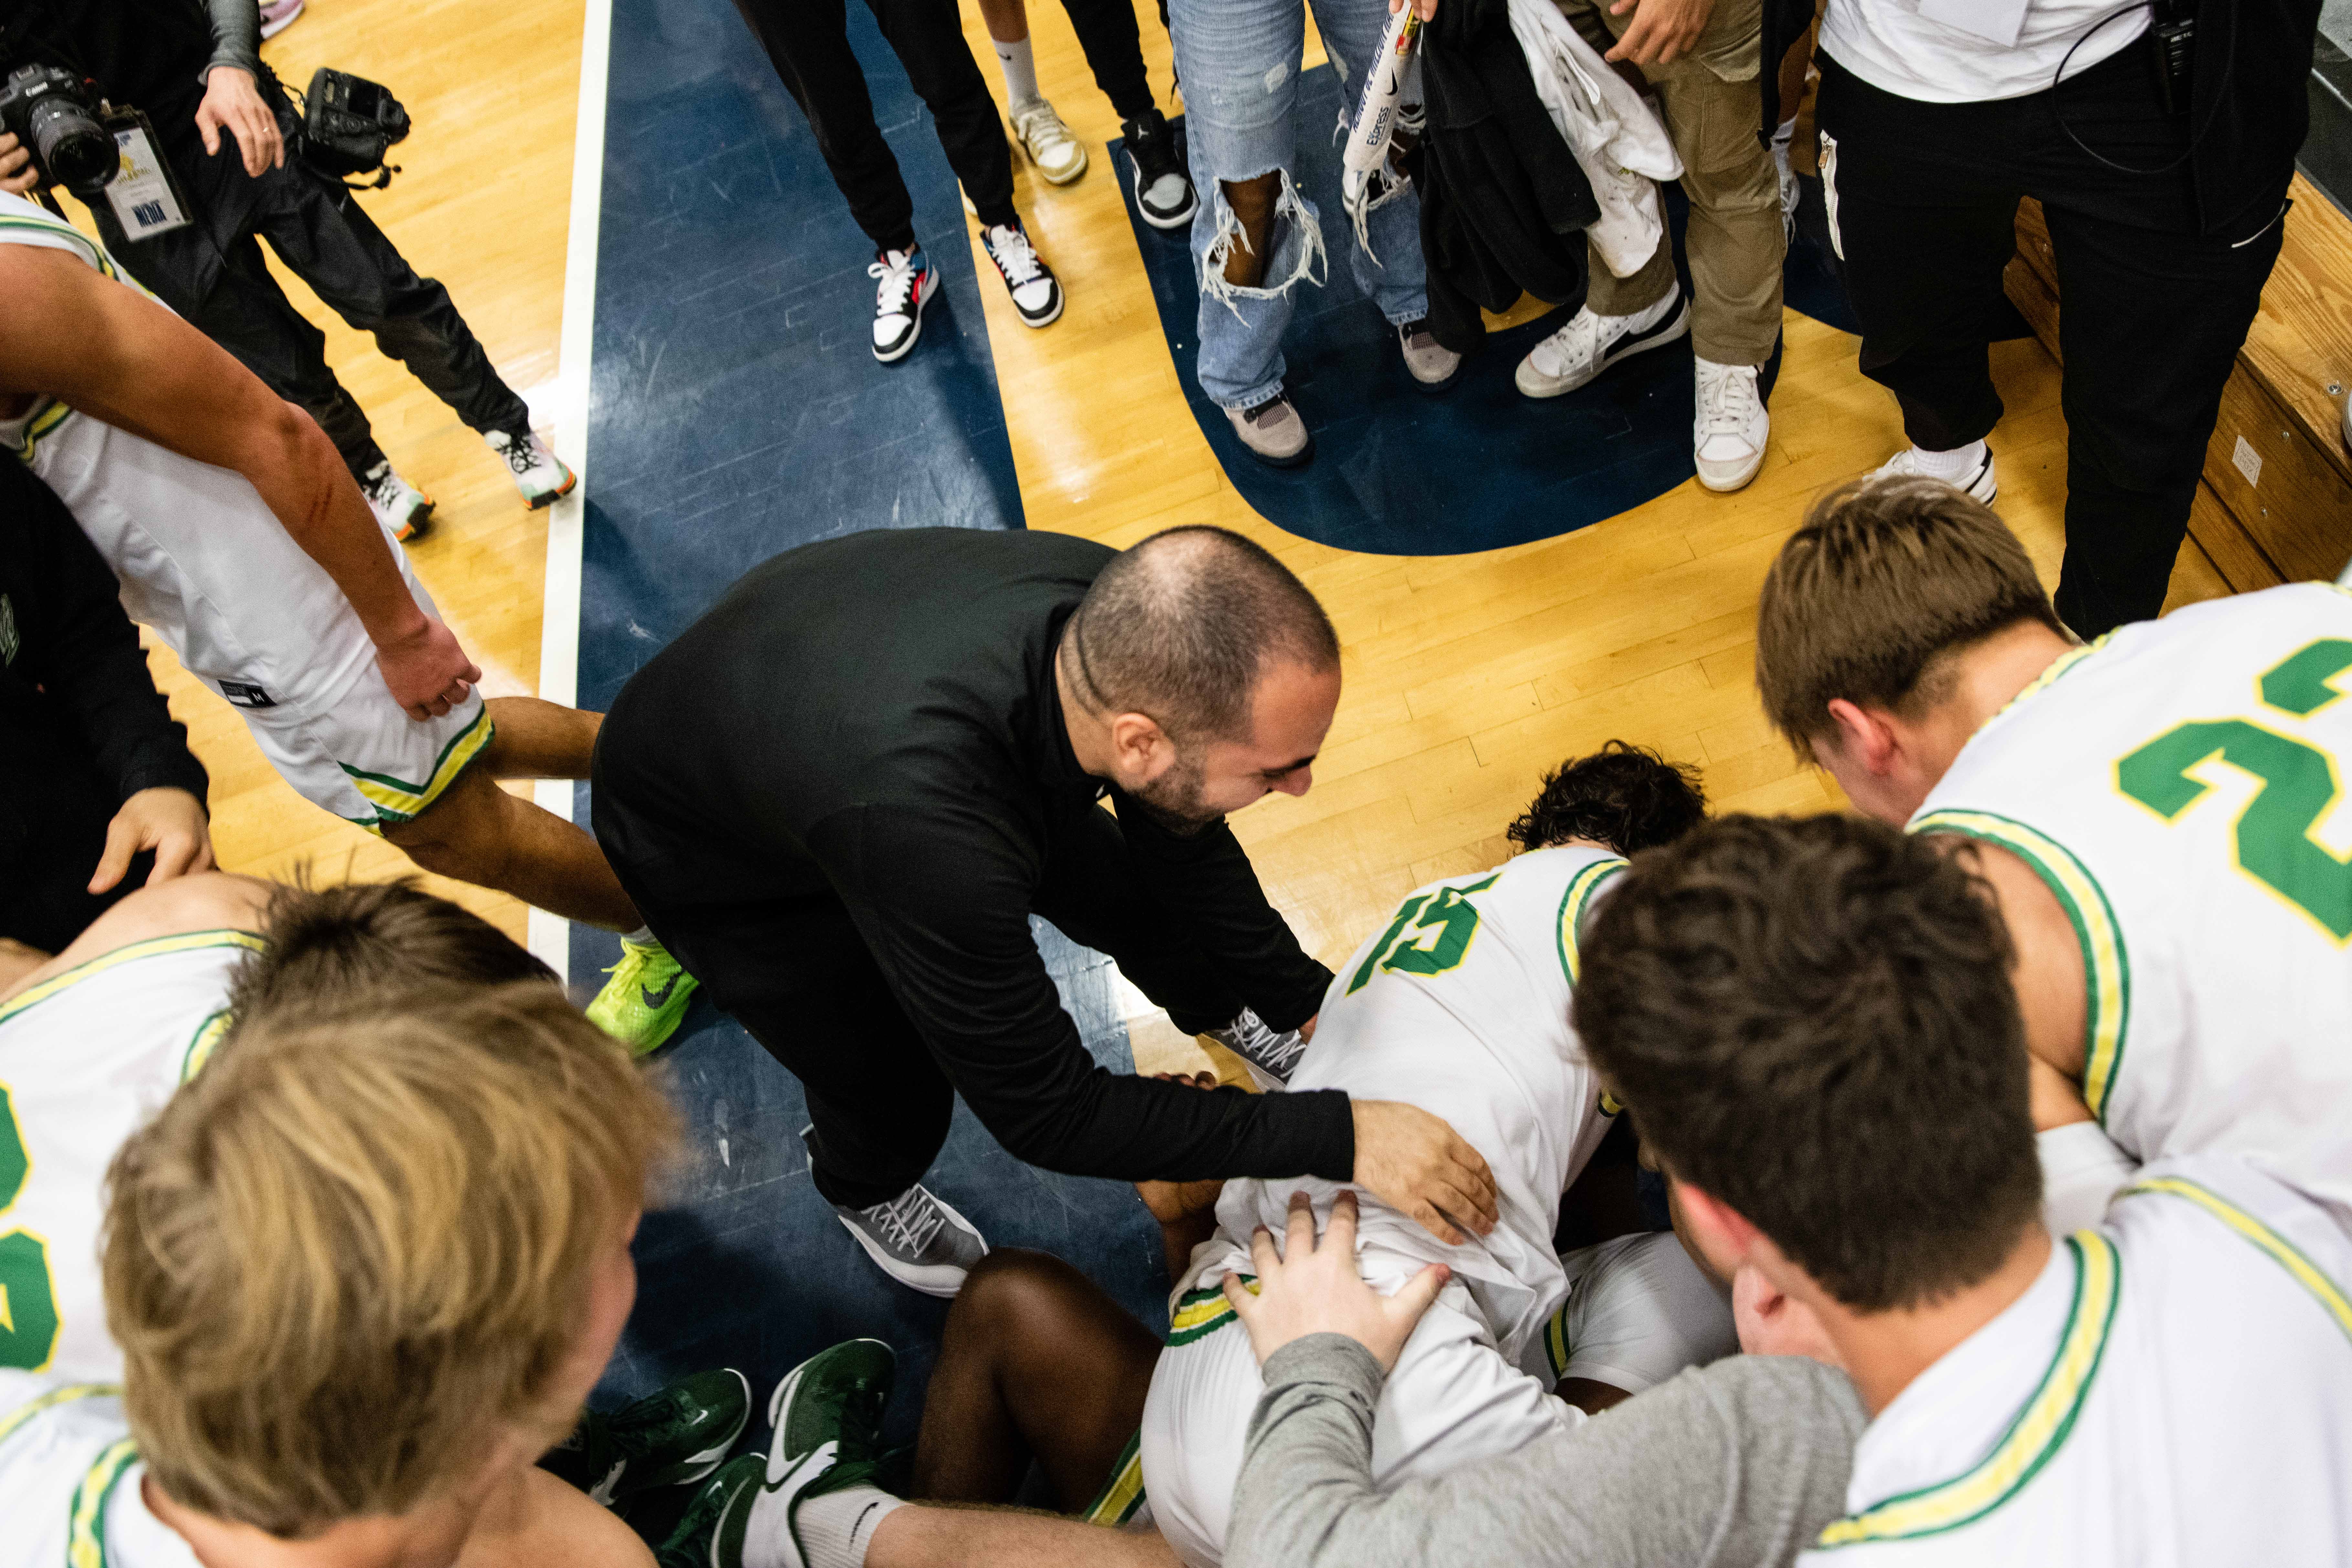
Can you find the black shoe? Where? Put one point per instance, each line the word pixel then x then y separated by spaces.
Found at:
pixel 1164 191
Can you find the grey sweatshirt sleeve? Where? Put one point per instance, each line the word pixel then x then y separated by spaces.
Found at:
pixel 236 36
pixel 1738 1463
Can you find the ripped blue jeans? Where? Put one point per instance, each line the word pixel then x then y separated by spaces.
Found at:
pixel 1238 62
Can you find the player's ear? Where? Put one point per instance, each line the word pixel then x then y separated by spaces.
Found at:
pixel 1141 747
pixel 1864 735
pixel 1720 1233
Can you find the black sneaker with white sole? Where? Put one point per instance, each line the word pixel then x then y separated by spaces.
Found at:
pixel 1037 292
pixel 905 283
pixel 1163 190
pixel 1270 1054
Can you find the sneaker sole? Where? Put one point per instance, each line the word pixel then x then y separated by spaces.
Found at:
pixel 542 502
pixel 1061 298
pixel 890 1266
pixel 1043 172
pixel 416 524
pixel 922 303
pixel 1745 478
pixel 1296 460
pixel 1174 220
pixel 1674 332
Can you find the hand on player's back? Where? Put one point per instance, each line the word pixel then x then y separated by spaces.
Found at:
pixel 1315 1289
pixel 1417 1164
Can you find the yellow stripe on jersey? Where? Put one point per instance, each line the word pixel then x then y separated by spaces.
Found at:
pixel 86 1527
pixel 1572 905
pixel 2288 1256
pixel 2041 1427
pixel 64 1395
pixel 84 246
pixel 201 1044
pixel 2051 673
pixel 397 801
pixel 1123 1493
pixel 2106 964
pixel 1199 1314
pixel 153 947
pixel 45 419
pixel 1557 1350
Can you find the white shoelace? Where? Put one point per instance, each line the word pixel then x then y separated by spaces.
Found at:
pixel 1014 255
pixel 1727 403
pixel 1577 344
pixel 910 1220
pixel 897 282
pixel 1041 128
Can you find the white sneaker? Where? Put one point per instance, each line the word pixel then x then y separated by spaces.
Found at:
pixel 1036 295
pixel 898 301
pixel 1981 483
pixel 397 504
pixel 539 473
pixel 919 1241
pixel 1059 155
pixel 1728 436
pixel 1590 344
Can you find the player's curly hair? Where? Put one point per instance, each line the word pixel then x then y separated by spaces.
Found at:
pixel 1626 796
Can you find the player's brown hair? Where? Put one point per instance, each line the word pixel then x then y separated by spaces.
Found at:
pixel 326 944
pixel 347 1258
pixel 1811 1019
pixel 1868 600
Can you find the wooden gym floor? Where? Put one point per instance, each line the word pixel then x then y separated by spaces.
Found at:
pixel 1465 675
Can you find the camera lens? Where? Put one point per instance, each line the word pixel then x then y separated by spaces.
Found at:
pixel 73 148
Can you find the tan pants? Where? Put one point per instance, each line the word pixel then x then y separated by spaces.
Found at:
pixel 1734 241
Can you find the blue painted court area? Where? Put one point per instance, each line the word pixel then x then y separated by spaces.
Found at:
pixel 1399 472
pixel 737 411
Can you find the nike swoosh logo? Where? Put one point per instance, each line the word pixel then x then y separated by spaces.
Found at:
pixel 821 1457
pixel 601 1494
pixel 655 998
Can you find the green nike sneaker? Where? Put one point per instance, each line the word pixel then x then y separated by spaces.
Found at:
pixel 827 1413
pixel 669 1438
pixel 696 1542
pixel 643 1004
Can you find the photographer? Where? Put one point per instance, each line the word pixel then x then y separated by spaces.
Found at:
pixel 234 144
pixel 98 794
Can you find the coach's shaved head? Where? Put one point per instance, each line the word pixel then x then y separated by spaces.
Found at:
pixel 1182 626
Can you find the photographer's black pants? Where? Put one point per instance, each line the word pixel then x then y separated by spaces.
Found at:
pixel 808 42
pixel 1923 198
pixel 211 273
pixel 1114 50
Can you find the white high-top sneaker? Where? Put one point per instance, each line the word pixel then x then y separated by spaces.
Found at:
pixel 1728 434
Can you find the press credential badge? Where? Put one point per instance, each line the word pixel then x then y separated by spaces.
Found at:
pixel 146 203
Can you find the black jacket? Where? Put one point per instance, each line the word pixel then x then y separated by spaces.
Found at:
pixel 2247 89
pixel 1504 204
pixel 875 718
pixel 82 727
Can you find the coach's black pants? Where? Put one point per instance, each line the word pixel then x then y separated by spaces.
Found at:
pixel 795 972
pixel 1922 202
pixel 808 42
pixel 211 273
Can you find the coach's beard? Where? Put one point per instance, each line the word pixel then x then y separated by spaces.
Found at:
pixel 1174 800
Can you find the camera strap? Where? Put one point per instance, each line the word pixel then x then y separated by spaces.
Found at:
pixel 145 195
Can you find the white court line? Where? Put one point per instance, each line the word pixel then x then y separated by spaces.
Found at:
pixel 559 638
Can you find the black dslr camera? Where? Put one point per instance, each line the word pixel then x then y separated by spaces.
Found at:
pixel 349 123
pixel 55 113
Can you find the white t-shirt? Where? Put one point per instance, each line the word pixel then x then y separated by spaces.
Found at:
pixel 1459 1005
pixel 85 1059
pixel 1964 51
pixel 2178 787
pixel 2174 1391
pixel 70 1475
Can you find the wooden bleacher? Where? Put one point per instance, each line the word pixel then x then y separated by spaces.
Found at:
pixel 2275 502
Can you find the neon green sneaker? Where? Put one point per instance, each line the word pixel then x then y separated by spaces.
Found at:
pixel 643 1004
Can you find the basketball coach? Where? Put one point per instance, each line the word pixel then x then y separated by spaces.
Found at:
pixel 839 796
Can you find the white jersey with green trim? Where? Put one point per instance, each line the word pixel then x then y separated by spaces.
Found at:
pixel 239 603
pixel 69 1481
pixel 1459 1005
pixel 85 1058
pixel 2178 785
pixel 2173 1391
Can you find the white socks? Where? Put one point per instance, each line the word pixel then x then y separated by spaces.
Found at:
pixel 1950 466
pixel 834 1530
pixel 1020 71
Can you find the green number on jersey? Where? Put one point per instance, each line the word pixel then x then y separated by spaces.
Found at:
pixel 1429 936
pixel 2299 785
pixel 28 1308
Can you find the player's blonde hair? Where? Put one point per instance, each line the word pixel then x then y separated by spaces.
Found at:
pixel 348 1258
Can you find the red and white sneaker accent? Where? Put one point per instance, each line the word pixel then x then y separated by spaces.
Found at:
pixel 905 287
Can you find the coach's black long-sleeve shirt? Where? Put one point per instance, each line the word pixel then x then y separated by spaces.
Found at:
pixel 877 717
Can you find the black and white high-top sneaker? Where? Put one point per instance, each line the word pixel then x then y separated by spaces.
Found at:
pixel 1163 190
pixel 1036 293
pixel 905 282
pixel 1270 1054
